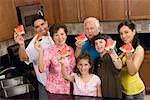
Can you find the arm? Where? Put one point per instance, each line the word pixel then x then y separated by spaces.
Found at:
pixel 22 53
pixel 20 40
pixel 135 60
pixel 99 92
pixel 64 71
pixel 40 56
pixel 116 60
pixel 77 52
pixel 78 49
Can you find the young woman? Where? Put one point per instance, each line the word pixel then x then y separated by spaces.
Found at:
pixel 49 62
pixel 133 86
pixel 84 82
pixel 108 68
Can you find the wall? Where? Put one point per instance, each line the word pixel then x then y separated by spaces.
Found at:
pixel 143 26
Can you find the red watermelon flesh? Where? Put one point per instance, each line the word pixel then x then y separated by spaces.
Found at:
pixel 81 37
pixel 20 29
pixel 110 44
pixel 127 48
pixel 39 36
pixel 65 52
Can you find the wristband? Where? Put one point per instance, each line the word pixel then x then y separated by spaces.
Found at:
pixel 115 60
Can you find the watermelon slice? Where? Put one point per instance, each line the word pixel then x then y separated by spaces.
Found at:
pixel 20 29
pixel 127 48
pixel 81 37
pixel 65 52
pixel 39 36
pixel 110 44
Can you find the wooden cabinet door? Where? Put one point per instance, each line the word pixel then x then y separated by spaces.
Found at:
pixel 144 70
pixel 48 10
pixel 34 1
pixel 26 2
pixel 69 11
pixel 139 9
pixel 8 19
pixel 90 8
pixel 21 2
pixel 114 9
pixel 72 11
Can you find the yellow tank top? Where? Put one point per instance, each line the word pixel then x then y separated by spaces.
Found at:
pixel 131 84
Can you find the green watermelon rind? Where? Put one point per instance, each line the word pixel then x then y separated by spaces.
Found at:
pixel 81 37
pixel 123 50
pixel 65 53
pixel 82 40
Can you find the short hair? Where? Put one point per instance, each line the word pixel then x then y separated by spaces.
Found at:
pixel 36 17
pixel 92 19
pixel 55 27
pixel 100 36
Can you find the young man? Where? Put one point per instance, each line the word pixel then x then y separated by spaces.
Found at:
pixel 30 54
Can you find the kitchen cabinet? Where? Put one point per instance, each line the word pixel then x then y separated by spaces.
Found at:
pixel 26 2
pixel 8 19
pixel 145 70
pixel 48 10
pixel 72 11
pixel 124 9
pixel 114 9
pixel 139 9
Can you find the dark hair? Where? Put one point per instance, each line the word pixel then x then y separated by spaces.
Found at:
pixel 132 26
pixel 55 27
pixel 36 17
pixel 84 56
pixel 100 36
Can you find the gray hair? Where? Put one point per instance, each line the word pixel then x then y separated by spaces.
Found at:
pixel 93 20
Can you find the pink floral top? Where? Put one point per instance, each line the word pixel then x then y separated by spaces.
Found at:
pixel 55 82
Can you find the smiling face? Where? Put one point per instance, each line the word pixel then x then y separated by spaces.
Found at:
pixel 41 26
pixel 60 37
pixel 84 66
pixel 126 34
pixel 100 45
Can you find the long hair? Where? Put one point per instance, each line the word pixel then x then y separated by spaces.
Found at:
pixel 132 26
pixel 85 56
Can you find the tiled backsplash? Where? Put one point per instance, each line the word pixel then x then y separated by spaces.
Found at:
pixel 143 26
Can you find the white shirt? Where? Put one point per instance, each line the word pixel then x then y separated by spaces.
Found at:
pixel 86 89
pixel 32 53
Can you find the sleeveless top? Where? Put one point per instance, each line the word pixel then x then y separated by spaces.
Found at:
pixel 131 84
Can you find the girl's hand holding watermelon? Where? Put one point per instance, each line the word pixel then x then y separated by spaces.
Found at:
pixel 129 56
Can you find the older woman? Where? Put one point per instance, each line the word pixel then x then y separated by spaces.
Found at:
pixel 49 62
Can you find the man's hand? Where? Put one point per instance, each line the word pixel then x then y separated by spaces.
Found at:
pixel 18 38
pixel 79 44
pixel 38 46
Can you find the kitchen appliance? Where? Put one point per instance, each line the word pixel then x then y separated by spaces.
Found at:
pixel 15 86
pixel 26 13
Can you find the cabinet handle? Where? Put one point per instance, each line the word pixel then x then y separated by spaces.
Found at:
pixel 129 12
pixel 126 13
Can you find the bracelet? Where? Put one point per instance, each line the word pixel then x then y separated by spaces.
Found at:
pixel 115 60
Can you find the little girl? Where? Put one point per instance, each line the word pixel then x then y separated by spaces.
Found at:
pixel 84 82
